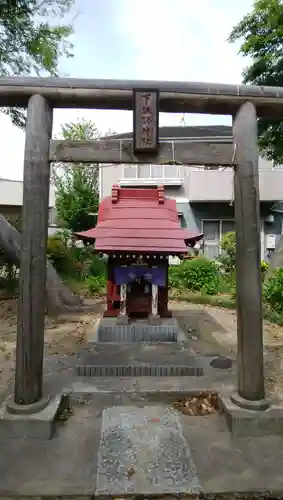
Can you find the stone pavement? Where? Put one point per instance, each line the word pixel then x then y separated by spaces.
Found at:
pixel 125 439
pixel 131 442
pixel 136 359
pixel 142 451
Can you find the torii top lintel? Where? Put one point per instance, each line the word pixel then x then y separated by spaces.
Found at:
pixel 175 97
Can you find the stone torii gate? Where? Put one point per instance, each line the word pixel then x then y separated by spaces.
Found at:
pixel 41 96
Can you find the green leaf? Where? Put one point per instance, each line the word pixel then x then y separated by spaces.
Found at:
pixel 33 40
pixel 77 189
pixel 261 35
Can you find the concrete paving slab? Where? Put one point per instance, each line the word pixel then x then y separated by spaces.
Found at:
pixel 68 464
pixel 138 359
pixel 143 452
pixel 223 383
pixel 226 464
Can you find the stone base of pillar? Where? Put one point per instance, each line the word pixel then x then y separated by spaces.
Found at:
pixel 32 409
pixel 16 423
pixel 246 404
pixel 122 319
pixel 154 319
pixel 250 422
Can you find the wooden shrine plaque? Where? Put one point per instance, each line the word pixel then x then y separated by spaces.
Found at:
pixel 146 121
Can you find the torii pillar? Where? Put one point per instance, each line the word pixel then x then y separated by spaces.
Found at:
pixel 250 391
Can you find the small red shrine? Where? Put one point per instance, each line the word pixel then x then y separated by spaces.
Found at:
pixel 138 229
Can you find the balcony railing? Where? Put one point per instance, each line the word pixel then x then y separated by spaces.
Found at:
pixel 139 175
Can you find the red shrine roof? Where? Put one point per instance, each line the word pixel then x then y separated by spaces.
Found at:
pixel 139 220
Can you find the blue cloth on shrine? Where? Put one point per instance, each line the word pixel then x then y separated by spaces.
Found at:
pixel 124 275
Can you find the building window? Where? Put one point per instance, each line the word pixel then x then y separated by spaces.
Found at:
pixel 52 216
pixel 151 172
pixel 213 231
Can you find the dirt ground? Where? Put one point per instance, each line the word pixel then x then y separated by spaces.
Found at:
pixel 211 331
pixel 63 337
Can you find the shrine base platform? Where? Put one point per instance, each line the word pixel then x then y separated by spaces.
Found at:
pixel 139 360
pixel 137 331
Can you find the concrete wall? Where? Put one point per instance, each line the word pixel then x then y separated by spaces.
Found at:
pixel 200 185
pixel 11 198
pixel 108 175
pixel 11 193
pixel 216 185
pixel 205 208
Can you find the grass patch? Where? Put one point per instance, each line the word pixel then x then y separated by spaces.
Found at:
pixel 201 298
pixel 65 410
pixel 80 287
pixel 222 300
pixel 272 316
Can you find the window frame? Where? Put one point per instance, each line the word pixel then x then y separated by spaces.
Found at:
pixel 151 167
pixel 220 222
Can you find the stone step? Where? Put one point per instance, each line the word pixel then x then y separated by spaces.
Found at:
pixel 147 387
pixel 138 360
pixel 138 371
pixel 143 452
pixel 137 331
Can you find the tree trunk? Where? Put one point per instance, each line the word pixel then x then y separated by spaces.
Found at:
pixel 276 259
pixel 59 297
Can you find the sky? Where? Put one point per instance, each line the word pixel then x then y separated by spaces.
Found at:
pixel 181 40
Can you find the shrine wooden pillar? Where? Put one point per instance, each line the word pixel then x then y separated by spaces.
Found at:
pixel 32 295
pixel 154 299
pixel 123 299
pixel 123 317
pixel 251 391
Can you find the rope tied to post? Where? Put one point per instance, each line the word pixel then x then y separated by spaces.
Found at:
pixel 173 152
pixel 233 167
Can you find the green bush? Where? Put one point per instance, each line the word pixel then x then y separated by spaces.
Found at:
pixel 58 253
pixel 79 261
pixel 9 278
pixel 202 275
pixel 96 284
pixel 97 266
pixel 72 261
pixel 227 258
pixel 176 275
pixel 79 254
pixel 264 267
pixel 199 274
pixel 273 291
